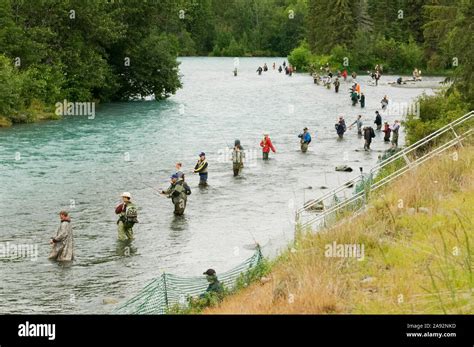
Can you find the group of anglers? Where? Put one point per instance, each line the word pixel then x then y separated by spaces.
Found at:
pixel 62 243
pixel 178 190
pixel 368 133
pixel 289 69
pixel 357 97
pixel 325 76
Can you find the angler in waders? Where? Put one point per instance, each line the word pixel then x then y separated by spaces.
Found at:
pixel 305 140
pixel 201 169
pixel 337 83
pixel 340 127
pixel 378 120
pixel 387 131
pixel 238 158
pixel 369 134
pixel 362 100
pixel 395 128
pixel 354 97
pixel 62 244
pixel 127 212
pixel 266 145
pixel 359 124
pixel 178 192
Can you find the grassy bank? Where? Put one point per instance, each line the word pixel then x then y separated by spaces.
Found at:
pixel 418 253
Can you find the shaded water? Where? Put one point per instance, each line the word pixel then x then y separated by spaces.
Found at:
pixel 83 165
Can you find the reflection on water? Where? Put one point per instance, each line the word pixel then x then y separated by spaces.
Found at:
pixel 83 165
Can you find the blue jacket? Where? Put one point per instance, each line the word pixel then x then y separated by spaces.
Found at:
pixel 306 137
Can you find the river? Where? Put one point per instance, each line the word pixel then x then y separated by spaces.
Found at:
pixel 83 165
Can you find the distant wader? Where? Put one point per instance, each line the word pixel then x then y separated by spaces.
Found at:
pixel 395 137
pixel 238 156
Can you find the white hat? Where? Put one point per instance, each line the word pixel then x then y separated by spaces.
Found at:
pixel 265 133
pixel 126 195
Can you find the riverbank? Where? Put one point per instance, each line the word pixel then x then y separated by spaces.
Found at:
pixel 415 253
pixel 36 112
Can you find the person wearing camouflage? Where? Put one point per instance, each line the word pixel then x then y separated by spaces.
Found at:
pixel 127 217
pixel 178 192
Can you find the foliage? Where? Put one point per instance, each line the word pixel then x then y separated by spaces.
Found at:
pixel 76 50
pixel 10 87
pixel 300 57
pixel 435 112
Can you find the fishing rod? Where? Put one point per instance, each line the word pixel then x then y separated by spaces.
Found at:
pixel 156 191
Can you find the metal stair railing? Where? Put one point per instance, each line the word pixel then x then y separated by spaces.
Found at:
pixel 361 180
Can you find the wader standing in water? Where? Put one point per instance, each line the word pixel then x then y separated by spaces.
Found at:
pixel 387 132
pixel 362 100
pixel 337 83
pixel 266 145
pixel 178 192
pixel 368 135
pixel 201 169
pixel 341 127
pixel 354 97
pixel 63 242
pixel 238 158
pixel 378 120
pixel 359 124
pixel 127 212
pixel 395 129
pixel 384 102
pixel 305 140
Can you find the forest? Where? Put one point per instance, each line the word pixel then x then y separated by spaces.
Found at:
pixel 110 50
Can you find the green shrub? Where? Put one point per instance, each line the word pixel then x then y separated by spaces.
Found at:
pixel 11 83
pixel 411 54
pixel 435 112
pixel 300 57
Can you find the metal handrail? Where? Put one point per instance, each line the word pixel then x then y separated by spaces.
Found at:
pixel 401 154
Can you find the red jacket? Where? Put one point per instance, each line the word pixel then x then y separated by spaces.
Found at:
pixel 267 145
pixel 120 208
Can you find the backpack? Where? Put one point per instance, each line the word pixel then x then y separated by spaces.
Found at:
pixel 187 189
pixel 372 133
pixel 131 214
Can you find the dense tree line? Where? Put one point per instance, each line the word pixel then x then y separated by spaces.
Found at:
pixel 52 50
pixel 106 50
pixel 434 35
